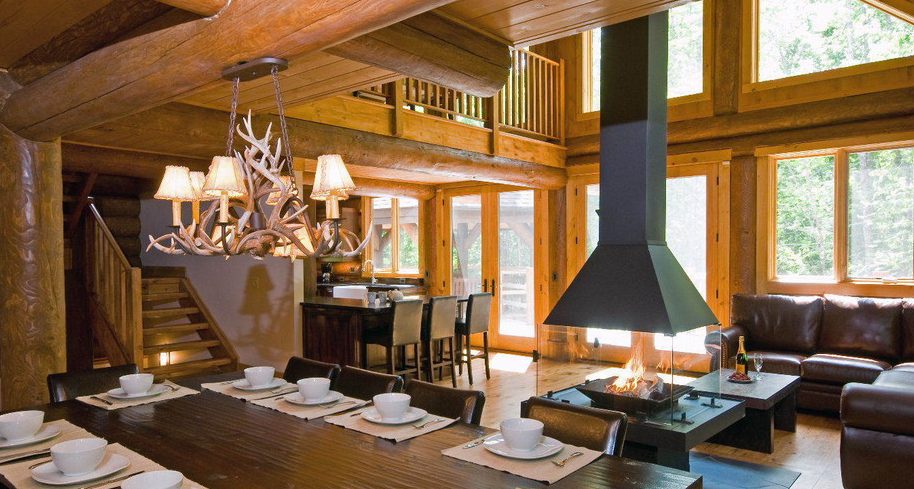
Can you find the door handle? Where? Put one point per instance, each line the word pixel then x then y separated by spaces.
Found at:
pixel 485 285
pixel 493 286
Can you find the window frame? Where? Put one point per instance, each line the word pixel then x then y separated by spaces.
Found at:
pixel 767 280
pixel 393 272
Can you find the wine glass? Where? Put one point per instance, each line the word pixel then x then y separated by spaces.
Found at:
pixel 758 360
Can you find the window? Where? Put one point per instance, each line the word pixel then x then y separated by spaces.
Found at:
pixel 799 37
pixel 394 247
pixel 686 56
pixel 833 228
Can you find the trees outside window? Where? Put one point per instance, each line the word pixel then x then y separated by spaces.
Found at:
pixel 394 246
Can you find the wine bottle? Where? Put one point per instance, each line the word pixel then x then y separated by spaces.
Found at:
pixel 742 360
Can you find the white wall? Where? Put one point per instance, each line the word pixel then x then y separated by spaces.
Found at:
pixel 252 300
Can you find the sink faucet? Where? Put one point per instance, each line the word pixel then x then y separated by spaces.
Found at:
pixel 373 280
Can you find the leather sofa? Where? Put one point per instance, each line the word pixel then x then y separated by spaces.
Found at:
pixel 877 438
pixel 828 341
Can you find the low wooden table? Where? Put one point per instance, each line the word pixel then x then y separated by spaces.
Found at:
pixel 771 403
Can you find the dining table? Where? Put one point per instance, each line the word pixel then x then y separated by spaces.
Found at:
pixel 223 442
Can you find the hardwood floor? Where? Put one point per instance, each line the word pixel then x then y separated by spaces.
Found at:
pixel 813 450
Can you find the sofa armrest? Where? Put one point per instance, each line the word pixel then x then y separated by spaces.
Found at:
pixel 722 345
pixel 879 408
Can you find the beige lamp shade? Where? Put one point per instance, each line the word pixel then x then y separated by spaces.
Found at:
pixel 198 180
pixel 224 178
pixel 332 180
pixel 176 185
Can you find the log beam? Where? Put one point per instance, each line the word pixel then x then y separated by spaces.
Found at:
pixel 88 159
pixel 206 8
pixel 153 69
pixel 374 187
pixel 903 9
pixel 201 134
pixel 435 48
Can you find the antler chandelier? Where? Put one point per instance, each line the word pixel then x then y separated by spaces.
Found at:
pixel 254 206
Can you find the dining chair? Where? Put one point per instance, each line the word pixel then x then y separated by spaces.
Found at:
pixel 405 330
pixel 438 329
pixel 70 385
pixel 589 427
pixel 300 368
pixel 365 384
pixel 479 308
pixel 464 404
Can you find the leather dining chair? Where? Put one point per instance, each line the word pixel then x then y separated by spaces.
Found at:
pixel 365 384
pixel 299 368
pixel 589 427
pixel 479 308
pixel 70 385
pixel 438 330
pixel 463 404
pixel 405 330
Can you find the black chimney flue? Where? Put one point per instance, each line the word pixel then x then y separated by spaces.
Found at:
pixel 632 281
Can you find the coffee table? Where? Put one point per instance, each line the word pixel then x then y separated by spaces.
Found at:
pixel 770 404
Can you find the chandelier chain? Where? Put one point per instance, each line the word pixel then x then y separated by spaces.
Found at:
pixel 230 141
pixel 283 127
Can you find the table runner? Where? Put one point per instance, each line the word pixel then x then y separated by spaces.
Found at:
pixel 20 476
pixel 68 431
pixel 176 392
pixel 396 433
pixel 310 412
pixel 227 389
pixel 542 470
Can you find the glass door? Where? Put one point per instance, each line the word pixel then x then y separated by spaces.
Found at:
pixel 466 244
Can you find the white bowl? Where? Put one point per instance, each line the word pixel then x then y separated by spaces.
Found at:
pixel 20 425
pixel 80 456
pixel 134 384
pixel 391 406
pixel 157 479
pixel 259 376
pixel 314 388
pixel 522 434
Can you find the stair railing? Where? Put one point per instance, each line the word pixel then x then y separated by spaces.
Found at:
pixel 115 291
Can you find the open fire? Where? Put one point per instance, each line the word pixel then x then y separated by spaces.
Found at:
pixel 631 381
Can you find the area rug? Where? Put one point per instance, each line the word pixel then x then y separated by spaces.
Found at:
pixel 724 473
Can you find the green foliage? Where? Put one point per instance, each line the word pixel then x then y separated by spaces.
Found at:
pixel 409 253
pixel 805 217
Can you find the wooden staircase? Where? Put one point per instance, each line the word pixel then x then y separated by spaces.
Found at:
pixel 180 336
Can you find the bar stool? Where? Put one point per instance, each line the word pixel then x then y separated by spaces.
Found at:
pixel 442 319
pixel 405 330
pixel 479 308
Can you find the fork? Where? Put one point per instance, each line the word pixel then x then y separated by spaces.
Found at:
pixel 110 481
pixel 40 462
pixel 360 411
pixel 561 463
pixel 476 442
pixel 273 395
pixel 419 426
pixel 97 398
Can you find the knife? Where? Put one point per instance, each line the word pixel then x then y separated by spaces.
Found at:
pixel 273 395
pixel 20 456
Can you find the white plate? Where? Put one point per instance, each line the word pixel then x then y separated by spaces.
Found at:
pixel 296 398
pixel 155 390
pixel 245 386
pixel 546 447
pixel 412 414
pixel 48 473
pixel 45 433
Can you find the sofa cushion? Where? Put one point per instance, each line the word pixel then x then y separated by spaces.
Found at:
pixel 778 362
pixel 861 326
pixel 778 322
pixel 904 367
pixel 839 369
pixel 907 330
pixel 896 378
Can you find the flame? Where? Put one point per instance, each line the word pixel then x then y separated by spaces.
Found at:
pixel 631 379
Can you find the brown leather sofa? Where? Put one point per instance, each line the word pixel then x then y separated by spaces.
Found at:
pixel 828 341
pixel 877 440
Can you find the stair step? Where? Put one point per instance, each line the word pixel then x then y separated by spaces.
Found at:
pixel 181 346
pixel 161 280
pixel 189 368
pixel 175 329
pixel 165 296
pixel 172 312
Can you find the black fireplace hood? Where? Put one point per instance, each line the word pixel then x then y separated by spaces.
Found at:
pixel 632 281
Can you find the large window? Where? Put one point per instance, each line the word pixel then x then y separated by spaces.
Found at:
pixel 799 37
pixel 845 214
pixel 686 56
pixel 394 246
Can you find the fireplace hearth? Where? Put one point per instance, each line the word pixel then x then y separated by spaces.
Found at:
pixel 666 396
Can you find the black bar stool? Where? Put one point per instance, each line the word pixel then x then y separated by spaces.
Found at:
pixel 405 330
pixel 440 327
pixel 479 308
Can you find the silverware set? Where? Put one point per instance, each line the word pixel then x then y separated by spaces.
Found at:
pixel 20 456
pixel 562 462
pixel 109 481
pixel 362 410
pixel 476 442
pixel 272 395
pixel 421 425
pixel 102 399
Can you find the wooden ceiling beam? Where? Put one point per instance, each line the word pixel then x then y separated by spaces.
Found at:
pixel 26 25
pixel 200 132
pixel 375 187
pixel 206 8
pixel 903 9
pixel 153 69
pixel 435 48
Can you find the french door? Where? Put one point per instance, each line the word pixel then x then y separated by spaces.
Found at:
pixel 492 250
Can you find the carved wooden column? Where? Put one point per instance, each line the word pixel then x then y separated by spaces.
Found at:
pixel 32 334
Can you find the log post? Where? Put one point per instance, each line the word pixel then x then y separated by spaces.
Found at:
pixel 33 337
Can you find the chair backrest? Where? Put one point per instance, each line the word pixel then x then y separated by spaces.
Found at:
pixel 594 428
pixel 479 308
pixel 365 384
pixel 299 368
pixel 406 327
pixel 465 405
pixel 70 385
pixel 442 315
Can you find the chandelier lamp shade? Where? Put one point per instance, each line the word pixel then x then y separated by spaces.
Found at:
pixel 255 206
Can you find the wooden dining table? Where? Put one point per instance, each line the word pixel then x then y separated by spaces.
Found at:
pixel 222 442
